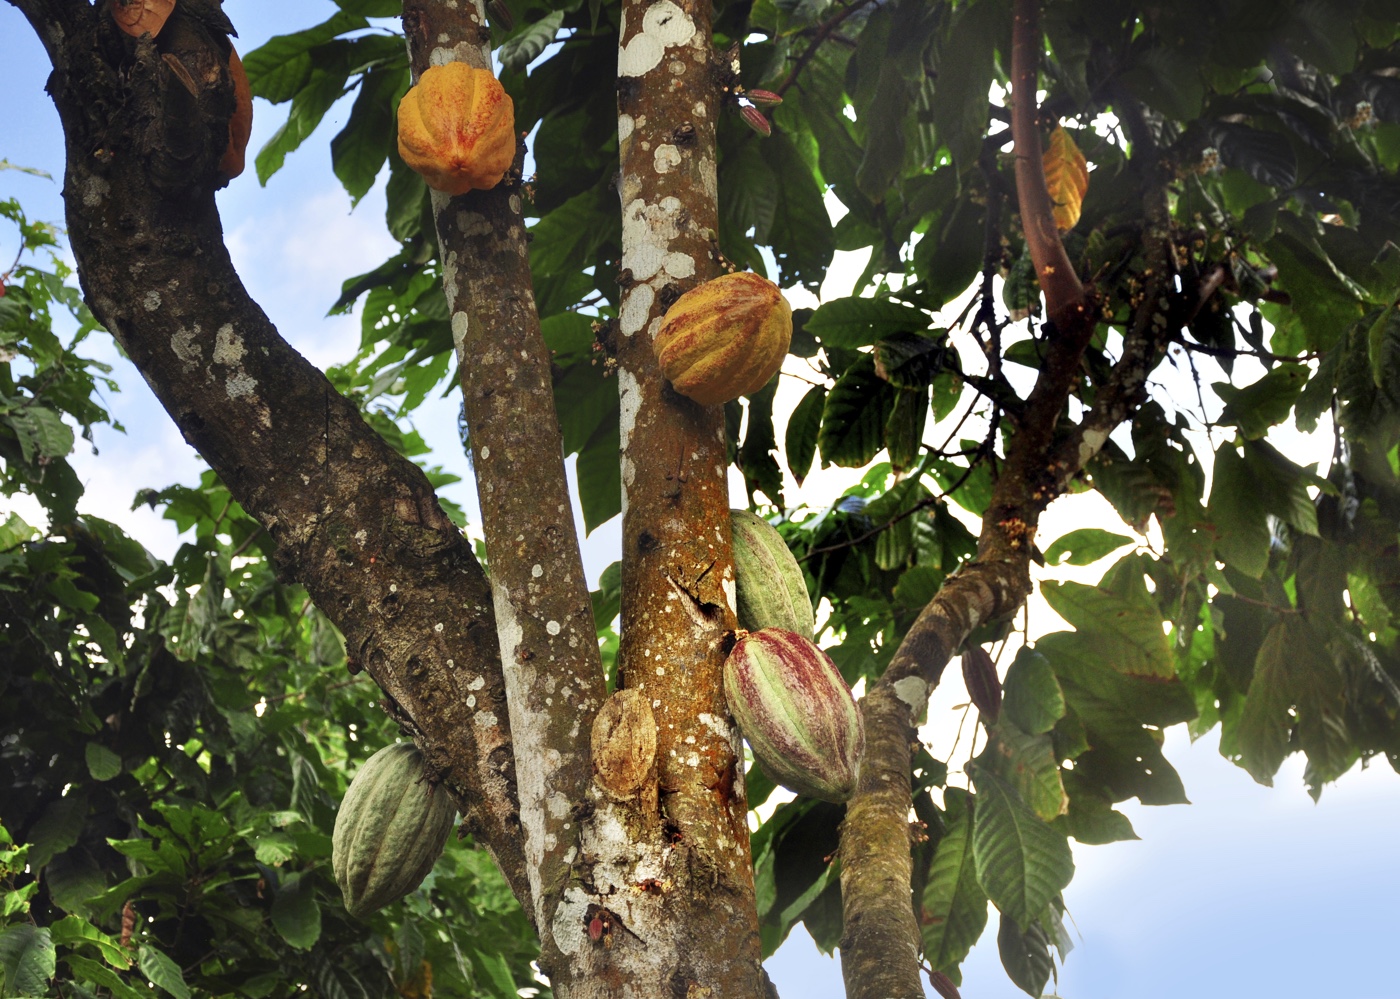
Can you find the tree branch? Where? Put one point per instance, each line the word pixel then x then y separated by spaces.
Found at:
pixel 1063 291
pixel 548 642
pixel 823 33
pixel 357 524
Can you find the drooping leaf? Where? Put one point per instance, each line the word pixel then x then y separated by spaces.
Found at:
pixel 1066 177
pixel 1022 863
pixel 954 905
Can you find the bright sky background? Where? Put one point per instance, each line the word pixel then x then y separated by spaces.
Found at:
pixel 1248 892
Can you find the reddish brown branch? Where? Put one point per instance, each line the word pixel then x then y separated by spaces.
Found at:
pixel 823 33
pixel 1063 292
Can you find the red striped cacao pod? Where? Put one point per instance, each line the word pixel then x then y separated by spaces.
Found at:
pixel 796 712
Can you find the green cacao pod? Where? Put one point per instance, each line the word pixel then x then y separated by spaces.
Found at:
pixel 796 712
pixel 771 590
pixel 725 338
pixel 390 830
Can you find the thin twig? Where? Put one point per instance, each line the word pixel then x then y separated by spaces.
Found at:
pixel 822 34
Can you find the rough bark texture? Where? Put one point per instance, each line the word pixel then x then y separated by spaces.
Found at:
pixel 549 647
pixel 354 522
pixel 701 932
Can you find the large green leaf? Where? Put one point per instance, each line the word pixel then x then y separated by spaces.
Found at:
pixel 1022 862
pixel 854 416
pixel 27 960
pixel 1131 627
pixel 1025 955
pixel 857 322
pixel 954 904
pixel 1237 511
pixel 1031 696
pixel 279 68
pixel 1263 730
pixel 163 972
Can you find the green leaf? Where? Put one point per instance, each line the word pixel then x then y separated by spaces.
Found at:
pixel 1027 763
pixel 14 531
pixel 800 441
pixel 42 433
pixel 102 763
pixel 74 931
pixel 904 433
pixel 57 829
pixel 949 257
pixel 801 236
pixel 27 959
pixel 1025 956
pixel 1241 527
pixel 296 914
pixel 359 150
pixel 163 972
pixel 1257 407
pixel 1031 696
pixel 857 322
pixel 1022 863
pixel 1262 735
pixel 954 904
pixel 309 106
pixel 911 360
pixel 87 970
pixel 966 68
pixel 523 48
pixel 1378 339
pixel 1091 817
pixel 281 67
pixel 1132 626
pixel 497 974
pixel 1084 546
pixel 600 478
pixel 855 414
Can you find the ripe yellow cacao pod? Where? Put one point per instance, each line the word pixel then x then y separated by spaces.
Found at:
pixel 725 338
pixel 457 128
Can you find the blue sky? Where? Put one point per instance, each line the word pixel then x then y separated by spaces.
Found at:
pixel 1247 892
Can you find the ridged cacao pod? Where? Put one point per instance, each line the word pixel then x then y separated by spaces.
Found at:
pixel 725 338
pixel 390 830
pixel 796 712
pixel 457 128
pixel 771 590
pixel 240 123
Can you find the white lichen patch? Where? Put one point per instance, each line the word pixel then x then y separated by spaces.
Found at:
pixel 663 25
pixel 94 190
pixel 647 232
pixel 460 323
pixel 731 593
pixel 570 923
pixel 552 627
pixel 666 158
pixel 151 301
pixel 1090 445
pixel 465 52
pixel 485 719
pixel 473 224
pixel 185 345
pixel 636 309
pixel 228 346
pixel 625 124
pixel 913 692
pixel 629 394
pixel 240 385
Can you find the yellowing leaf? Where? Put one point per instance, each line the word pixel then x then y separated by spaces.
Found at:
pixel 1067 177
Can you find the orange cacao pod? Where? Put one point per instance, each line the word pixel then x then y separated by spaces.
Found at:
pixel 240 124
pixel 141 17
pixel 725 338
pixel 457 128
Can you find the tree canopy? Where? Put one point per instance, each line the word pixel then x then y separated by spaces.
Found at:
pixel 1165 233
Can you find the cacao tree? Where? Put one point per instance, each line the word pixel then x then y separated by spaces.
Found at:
pixel 1075 214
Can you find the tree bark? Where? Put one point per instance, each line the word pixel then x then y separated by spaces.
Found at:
pixel 354 522
pixel 548 642
pixel 699 924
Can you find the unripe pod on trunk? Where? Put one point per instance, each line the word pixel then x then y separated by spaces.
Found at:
pixel 390 830
pixel 771 590
pixel 796 712
pixel 725 338
pixel 457 128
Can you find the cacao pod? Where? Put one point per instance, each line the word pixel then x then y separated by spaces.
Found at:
pixel 390 830
pixel 457 128
pixel 796 712
pixel 141 17
pixel 240 124
pixel 725 338
pixel 771 592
